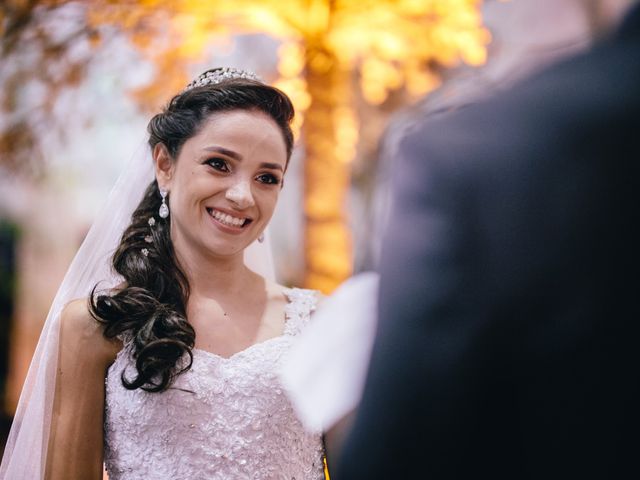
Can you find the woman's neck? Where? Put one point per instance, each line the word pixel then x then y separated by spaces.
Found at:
pixel 213 277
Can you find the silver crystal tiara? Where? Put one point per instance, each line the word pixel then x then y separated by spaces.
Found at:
pixel 220 74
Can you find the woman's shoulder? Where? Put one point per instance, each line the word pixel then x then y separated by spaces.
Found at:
pixel 76 318
pixel 78 328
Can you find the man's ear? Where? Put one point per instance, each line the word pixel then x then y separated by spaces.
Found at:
pixel 164 165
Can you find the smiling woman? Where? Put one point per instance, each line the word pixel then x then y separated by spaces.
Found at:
pixel 169 369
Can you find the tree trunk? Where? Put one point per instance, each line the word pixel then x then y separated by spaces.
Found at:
pixel 328 250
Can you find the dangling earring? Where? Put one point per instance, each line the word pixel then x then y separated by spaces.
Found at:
pixel 261 237
pixel 163 212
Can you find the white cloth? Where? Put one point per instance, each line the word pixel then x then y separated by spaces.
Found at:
pixel 225 418
pixel 325 371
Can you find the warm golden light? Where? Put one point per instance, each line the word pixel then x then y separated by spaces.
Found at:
pixel 384 45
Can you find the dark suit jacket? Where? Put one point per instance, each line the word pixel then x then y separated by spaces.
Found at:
pixel 509 336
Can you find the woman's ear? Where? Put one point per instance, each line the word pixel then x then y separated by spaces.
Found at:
pixel 164 165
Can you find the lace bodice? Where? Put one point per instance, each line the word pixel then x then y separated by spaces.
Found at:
pixel 225 418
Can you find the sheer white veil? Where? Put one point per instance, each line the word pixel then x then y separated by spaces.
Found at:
pixel 26 449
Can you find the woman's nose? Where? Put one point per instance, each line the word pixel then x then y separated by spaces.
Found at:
pixel 240 194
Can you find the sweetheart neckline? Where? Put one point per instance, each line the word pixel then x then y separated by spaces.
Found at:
pixel 289 293
pixel 239 352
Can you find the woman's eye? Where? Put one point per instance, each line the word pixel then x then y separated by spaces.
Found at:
pixel 218 164
pixel 268 178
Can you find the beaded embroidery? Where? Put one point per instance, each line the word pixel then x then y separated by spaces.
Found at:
pixel 225 418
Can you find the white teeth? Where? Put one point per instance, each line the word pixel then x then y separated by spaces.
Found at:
pixel 227 219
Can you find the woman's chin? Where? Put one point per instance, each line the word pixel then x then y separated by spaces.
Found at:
pixel 228 248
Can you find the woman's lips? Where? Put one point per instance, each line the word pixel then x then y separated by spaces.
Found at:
pixel 226 222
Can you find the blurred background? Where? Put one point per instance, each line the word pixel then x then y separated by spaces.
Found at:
pixel 80 79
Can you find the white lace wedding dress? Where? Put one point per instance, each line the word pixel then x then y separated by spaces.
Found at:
pixel 225 418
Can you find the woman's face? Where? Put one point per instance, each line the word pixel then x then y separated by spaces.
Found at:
pixel 224 185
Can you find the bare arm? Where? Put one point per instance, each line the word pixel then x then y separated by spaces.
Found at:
pixel 76 439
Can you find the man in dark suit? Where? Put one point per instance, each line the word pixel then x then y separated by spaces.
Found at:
pixel 509 338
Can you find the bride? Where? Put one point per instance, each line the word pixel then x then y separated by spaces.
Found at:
pixel 166 366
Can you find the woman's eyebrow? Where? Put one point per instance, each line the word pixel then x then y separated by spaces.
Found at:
pixel 272 166
pixel 224 151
